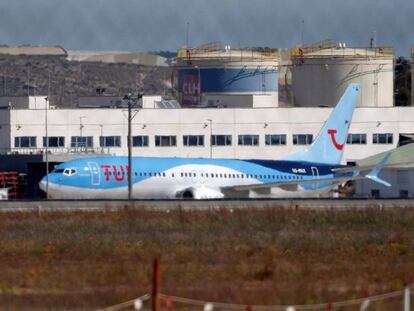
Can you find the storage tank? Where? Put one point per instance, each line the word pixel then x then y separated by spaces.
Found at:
pixel 211 76
pixel 322 72
pixel 412 75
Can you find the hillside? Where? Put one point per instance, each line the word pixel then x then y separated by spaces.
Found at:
pixel 23 75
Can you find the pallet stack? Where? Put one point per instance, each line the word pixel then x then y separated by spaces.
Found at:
pixel 15 183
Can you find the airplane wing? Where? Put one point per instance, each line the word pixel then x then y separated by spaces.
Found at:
pixel 283 184
pixel 343 170
pixel 361 174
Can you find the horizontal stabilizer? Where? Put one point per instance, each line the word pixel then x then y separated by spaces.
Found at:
pixel 379 180
pixel 367 168
pixel 373 174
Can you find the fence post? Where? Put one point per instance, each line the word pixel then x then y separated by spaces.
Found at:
pixel 407 298
pixel 156 286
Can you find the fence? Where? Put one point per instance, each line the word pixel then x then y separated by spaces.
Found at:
pixel 161 301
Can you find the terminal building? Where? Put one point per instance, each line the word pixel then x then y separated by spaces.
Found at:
pixel 229 109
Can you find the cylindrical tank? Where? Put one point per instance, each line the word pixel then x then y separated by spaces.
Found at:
pixel 320 77
pixel 210 76
pixel 412 75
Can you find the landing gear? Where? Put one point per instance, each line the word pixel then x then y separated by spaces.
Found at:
pixel 187 195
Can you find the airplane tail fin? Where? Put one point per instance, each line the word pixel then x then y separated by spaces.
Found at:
pixel 328 145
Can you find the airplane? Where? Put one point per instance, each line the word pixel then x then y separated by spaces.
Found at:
pixel 308 173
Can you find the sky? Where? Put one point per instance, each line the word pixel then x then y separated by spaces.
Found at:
pixel 153 25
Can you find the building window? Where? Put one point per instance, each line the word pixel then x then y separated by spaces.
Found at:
pixel 54 141
pixel 272 140
pixel 248 140
pixel 356 139
pixel 221 140
pixel 25 142
pixel 385 138
pixel 193 140
pixel 140 141
pixel 110 141
pixel 81 141
pixel 375 193
pixel 404 194
pixel 302 139
pixel 165 141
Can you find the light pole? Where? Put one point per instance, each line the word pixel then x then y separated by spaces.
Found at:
pixel 81 143
pixel 131 101
pixel 81 125
pixel 47 148
pixel 211 137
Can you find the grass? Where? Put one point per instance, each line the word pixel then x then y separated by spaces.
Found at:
pixel 274 256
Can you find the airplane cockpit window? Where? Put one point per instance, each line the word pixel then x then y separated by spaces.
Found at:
pixel 58 171
pixel 69 171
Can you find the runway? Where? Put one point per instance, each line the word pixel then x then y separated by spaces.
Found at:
pixel 167 205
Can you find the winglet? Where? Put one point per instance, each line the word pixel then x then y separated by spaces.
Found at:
pixel 373 174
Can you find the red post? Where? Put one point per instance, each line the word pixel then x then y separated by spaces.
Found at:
pixel 169 303
pixel 156 286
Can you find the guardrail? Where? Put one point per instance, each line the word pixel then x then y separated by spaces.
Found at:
pixel 215 52
pixel 354 52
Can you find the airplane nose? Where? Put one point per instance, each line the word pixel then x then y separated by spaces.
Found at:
pixel 42 184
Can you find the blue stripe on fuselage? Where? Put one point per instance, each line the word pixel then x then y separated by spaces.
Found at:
pixel 261 169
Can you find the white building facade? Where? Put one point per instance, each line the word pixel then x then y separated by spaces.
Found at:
pixel 261 133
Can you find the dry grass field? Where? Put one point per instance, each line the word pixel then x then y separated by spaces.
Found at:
pixel 88 260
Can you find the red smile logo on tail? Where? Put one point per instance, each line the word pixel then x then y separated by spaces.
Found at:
pixel 334 142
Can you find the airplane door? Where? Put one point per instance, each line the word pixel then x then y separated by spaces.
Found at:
pixel 95 176
pixel 315 174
